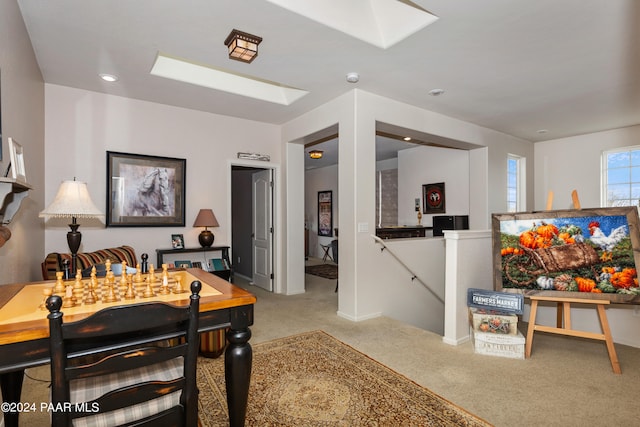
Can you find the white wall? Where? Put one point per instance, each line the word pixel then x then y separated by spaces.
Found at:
pixel 81 126
pixel 369 282
pixel 320 179
pixel 568 164
pixel 426 165
pixel 22 119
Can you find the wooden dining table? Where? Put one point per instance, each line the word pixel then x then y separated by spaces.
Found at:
pixel 24 342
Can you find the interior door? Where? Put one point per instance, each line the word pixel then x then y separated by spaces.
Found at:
pixel 262 244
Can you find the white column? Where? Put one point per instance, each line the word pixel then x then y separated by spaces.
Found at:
pixel 468 265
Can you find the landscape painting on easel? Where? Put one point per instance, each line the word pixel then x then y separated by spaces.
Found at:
pixel 587 251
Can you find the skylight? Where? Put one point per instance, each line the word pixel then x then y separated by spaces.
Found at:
pixel 212 78
pixel 381 23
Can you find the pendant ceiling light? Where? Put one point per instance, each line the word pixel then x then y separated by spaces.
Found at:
pixel 242 46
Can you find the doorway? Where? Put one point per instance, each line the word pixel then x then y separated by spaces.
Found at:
pixel 252 228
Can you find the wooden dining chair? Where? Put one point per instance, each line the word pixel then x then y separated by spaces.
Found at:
pixel 125 363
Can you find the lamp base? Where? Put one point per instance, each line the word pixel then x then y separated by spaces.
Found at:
pixel 205 238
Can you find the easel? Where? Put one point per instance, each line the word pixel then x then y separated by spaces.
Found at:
pixel 564 313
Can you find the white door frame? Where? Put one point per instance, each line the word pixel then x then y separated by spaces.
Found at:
pixel 277 217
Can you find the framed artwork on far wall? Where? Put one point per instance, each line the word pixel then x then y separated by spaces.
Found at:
pixel 145 191
pixel 433 198
pixel 325 213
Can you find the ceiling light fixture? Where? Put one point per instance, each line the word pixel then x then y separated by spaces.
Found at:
pixel 108 77
pixel 353 77
pixel 316 154
pixel 242 46
pixel 407 138
pixel 436 92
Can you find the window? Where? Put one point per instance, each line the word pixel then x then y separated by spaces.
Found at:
pixel 515 183
pixel 621 177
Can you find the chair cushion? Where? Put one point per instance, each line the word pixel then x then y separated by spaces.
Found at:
pixel 84 390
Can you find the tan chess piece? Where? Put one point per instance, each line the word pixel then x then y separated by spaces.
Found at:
pixel 91 297
pixel 178 289
pixel 148 291
pixel 123 283
pixel 151 277
pixel 138 277
pixel 109 275
pixel 47 292
pixel 123 276
pixel 78 288
pixel 68 300
pixel 111 293
pixel 59 288
pixel 130 293
pixel 93 281
pixel 164 288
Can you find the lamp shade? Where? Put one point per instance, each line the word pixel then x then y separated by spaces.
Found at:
pixel 72 200
pixel 206 218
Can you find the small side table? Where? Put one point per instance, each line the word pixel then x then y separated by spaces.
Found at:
pixel 226 274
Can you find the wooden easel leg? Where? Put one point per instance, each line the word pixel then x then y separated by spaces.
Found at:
pixel 604 323
pixel 532 325
pixel 567 314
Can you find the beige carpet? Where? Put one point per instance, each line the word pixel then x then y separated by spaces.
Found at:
pixel 313 379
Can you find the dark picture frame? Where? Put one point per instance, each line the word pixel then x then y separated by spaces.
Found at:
pixel 325 213
pixel 177 241
pixel 145 191
pixel 584 253
pixel 433 198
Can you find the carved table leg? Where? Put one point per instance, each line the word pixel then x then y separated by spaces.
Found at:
pixel 237 367
pixel 11 385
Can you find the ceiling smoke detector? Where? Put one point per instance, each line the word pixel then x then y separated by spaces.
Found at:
pixel 353 77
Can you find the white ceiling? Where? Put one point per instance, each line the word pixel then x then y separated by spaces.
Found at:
pixel 517 66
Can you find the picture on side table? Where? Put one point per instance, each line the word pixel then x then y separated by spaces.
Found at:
pixel 177 241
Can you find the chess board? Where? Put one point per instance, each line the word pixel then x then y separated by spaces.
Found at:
pixel 28 304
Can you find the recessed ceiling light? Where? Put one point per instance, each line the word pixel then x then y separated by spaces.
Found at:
pixel 316 154
pixel 407 138
pixel 108 77
pixel 541 131
pixel 436 92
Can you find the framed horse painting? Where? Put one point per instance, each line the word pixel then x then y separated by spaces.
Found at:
pixel 145 191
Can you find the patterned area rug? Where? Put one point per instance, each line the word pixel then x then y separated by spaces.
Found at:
pixel 328 271
pixel 312 379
